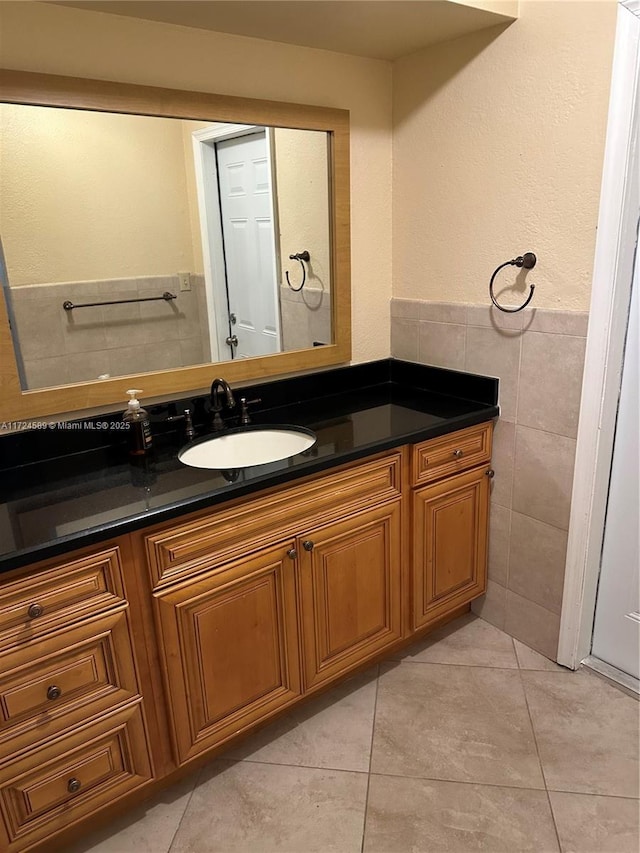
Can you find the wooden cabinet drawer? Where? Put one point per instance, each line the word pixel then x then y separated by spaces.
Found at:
pixel 451 454
pixel 58 682
pixel 50 788
pixel 33 605
pixel 250 525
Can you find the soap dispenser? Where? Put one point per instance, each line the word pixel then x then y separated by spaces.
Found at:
pixel 140 438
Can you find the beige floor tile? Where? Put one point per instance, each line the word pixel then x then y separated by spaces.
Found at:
pixel 149 828
pixel 528 659
pixel 246 807
pixel 469 641
pixel 418 815
pixel 590 824
pixel 332 731
pixel 457 723
pixel 587 733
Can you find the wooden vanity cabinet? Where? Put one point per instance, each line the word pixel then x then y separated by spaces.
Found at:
pixel 231 637
pixel 450 517
pixel 168 643
pixel 317 592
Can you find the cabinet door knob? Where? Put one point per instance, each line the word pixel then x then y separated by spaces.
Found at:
pixel 308 545
pixel 292 554
pixel 458 454
pixel 490 473
pixel 54 692
pixel 73 785
pixel 35 610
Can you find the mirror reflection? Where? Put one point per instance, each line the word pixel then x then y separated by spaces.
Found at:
pixel 136 243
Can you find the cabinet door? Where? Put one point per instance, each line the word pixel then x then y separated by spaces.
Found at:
pixel 450 544
pixel 350 584
pixel 230 647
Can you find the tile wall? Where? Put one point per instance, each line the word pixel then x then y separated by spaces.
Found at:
pixel 306 317
pixel 59 346
pixel 538 355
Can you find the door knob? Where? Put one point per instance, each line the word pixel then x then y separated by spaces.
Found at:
pixel 35 610
pixel 232 341
pixel 73 785
pixel 490 473
pixel 292 554
pixel 54 692
pixel 458 454
pixel 308 545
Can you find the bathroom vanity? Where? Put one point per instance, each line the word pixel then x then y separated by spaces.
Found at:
pixel 162 612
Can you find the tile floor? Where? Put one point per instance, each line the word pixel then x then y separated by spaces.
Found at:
pixel 466 741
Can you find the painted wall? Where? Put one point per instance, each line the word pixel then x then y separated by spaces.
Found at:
pixel 498 147
pixel 303 219
pixel 58 40
pixel 498 139
pixel 188 128
pixel 92 196
pixel 303 203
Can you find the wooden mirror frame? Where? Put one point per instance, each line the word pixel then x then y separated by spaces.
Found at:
pixel 20 87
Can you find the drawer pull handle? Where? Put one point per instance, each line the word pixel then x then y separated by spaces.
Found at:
pixel 458 454
pixel 490 473
pixel 54 692
pixel 35 610
pixel 73 785
pixel 292 554
pixel 308 545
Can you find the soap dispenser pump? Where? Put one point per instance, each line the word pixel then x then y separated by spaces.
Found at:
pixel 140 438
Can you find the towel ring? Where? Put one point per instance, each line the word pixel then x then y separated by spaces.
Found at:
pixel 299 256
pixel 528 261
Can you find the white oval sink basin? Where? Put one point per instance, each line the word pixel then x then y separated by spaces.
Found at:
pixel 247 446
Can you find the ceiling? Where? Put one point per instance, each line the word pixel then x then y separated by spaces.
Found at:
pixel 380 29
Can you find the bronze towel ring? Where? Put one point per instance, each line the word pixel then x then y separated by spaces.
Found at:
pixel 299 256
pixel 528 261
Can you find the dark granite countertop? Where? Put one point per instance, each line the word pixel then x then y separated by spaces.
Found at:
pixel 73 485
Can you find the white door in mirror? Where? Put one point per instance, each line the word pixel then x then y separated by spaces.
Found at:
pixel 243 448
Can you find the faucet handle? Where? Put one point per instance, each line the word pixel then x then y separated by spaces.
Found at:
pixel 186 416
pixel 245 418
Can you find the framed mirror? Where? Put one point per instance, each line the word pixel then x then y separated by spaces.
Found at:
pixel 157 238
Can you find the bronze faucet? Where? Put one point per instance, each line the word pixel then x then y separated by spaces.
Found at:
pixel 217 405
